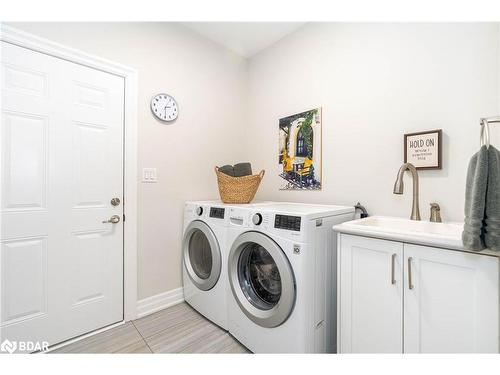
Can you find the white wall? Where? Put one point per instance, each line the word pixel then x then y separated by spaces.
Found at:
pixel 209 85
pixel 376 82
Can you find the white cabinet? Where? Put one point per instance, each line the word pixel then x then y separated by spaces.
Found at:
pixel 371 292
pixel 451 305
pixel 396 297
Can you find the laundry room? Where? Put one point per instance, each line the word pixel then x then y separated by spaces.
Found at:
pixel 220 184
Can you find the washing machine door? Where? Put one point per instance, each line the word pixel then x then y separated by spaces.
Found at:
pixel 202 256
pixel 261 279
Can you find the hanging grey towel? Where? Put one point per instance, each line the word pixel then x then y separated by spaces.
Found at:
pixel 475 201
pixel 242 169
pixel 492 217
pixel 227 169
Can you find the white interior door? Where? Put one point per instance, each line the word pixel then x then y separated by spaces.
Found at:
pixel 371 295
pixel 61 164
pixel 451 301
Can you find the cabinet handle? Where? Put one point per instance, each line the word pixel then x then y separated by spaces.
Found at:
pixel 393 261
pixel 410 279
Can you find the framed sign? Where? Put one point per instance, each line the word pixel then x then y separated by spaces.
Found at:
pixel 423 149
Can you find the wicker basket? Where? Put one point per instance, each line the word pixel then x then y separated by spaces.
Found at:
pixel 238 189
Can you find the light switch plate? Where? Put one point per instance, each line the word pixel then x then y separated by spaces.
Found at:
pixel 149 175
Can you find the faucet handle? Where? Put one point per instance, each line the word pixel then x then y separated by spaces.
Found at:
pixel 435 213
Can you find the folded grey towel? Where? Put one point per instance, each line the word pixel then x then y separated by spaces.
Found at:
pixel 492 217
pixel 242 169
pixel 227 169
pixel 475 201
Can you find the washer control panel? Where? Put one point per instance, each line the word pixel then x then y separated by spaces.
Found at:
pixel 287 222
pixel 217 212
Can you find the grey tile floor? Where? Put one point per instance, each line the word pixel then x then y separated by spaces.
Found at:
pixel 177 329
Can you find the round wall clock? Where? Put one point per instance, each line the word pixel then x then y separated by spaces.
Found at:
pixel 164 107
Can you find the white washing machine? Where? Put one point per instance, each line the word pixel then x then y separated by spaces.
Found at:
pixel 282 276
pixel 204 259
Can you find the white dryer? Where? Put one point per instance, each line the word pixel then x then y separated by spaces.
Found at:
pixel 282 276
pixel 204 259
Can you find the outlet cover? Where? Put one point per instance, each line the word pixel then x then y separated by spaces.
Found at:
pixel 149 175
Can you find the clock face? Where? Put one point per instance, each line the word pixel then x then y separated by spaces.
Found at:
pixel 164 107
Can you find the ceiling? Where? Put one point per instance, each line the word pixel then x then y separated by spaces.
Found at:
pixel 244 38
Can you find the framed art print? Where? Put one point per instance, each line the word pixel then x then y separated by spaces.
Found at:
pixel 424 149
pixel 300 150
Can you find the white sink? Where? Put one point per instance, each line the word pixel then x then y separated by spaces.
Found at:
pixel 394 224
pixel 445 235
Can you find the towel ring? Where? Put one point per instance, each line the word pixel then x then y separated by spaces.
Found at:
pixel 485 133
pixel 485 129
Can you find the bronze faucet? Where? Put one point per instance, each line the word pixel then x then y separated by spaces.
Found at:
pixel 399 187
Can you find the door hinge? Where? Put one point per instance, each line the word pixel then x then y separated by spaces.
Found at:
pixel 123 217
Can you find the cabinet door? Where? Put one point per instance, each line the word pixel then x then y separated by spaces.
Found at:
pixel 451 301
pixel 370 295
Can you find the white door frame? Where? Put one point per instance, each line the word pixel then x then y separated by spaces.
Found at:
pixel 20 38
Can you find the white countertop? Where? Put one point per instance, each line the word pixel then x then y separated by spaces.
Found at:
pixel 444 235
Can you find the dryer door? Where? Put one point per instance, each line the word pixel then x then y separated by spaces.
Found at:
pixel 202 256
pixel 261 279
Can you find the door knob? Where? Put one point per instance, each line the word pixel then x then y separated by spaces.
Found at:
pixel 113 220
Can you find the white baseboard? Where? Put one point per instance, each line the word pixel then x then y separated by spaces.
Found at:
pixel 160 301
